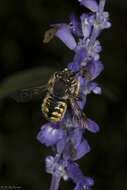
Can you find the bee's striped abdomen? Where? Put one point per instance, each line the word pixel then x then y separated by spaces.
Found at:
pixel 58 112
pixel 53 109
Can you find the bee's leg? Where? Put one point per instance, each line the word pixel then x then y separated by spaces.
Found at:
pixel 78 116
pixel 78 98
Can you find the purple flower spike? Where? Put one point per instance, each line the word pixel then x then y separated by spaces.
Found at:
pixel 65 35
pixel 90 4
pixel 66 136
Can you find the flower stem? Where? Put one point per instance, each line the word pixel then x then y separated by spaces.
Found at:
pixel 55 182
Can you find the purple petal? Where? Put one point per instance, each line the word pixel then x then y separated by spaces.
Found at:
pixel 75 25
pixel 56 166
pixel 82 102
pixel 67 120
pixel 74 171
pixel 49 135
pixel 72 146
pixel 49 162
pixel 82 149
pixel 97 90
pixel 85 89
pixel 104 20
pixel 65 35
pixel 98 47
pixel 74 67
pixel 76 136
pixel 78 58
pixel 61 145
pixel 90 4
pixel 94 87
pixel 84 184
pixel 92 126
pixel 77 176
pixel 86 25
pixel 95 68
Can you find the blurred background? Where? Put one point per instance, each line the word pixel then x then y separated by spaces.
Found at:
pixel 25 61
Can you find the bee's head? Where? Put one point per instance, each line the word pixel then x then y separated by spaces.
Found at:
pixel 61 83
pixel 60 86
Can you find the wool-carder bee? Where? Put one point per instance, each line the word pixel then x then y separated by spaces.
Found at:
pixel 63 88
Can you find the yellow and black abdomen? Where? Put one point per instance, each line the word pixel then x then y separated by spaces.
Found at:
pixel 53 109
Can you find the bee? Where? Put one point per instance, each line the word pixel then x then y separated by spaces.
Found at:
pixel 62 94
pixel 63 88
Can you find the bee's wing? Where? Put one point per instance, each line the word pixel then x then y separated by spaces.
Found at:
pixel 78 115
pixel 27 94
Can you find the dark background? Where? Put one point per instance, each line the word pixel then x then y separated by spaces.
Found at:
pixel 26 61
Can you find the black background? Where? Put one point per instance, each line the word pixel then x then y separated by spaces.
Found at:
pixel 26 61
